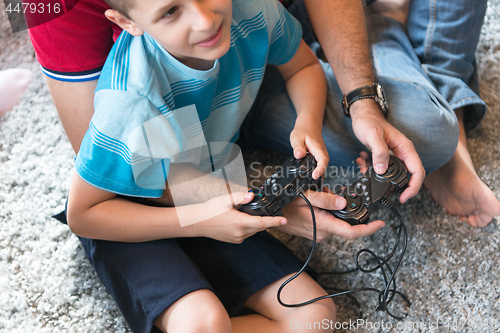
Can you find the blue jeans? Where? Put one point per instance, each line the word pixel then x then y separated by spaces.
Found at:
pixel 425 71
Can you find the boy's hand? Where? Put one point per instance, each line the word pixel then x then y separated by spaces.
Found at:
pixel 231 225
pixel 307 138
pixel 307 88
pixel 300 220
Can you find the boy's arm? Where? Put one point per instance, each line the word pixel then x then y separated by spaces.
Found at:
pixel 98 214
pixel 306 85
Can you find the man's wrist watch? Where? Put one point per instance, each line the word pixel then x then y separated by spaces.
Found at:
pixel 374 91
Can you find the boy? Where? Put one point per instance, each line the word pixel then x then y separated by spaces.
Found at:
pixel 175 53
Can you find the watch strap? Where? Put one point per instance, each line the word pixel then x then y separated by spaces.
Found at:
pixel 356 95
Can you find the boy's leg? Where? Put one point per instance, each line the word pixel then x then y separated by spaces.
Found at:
pixel 249 275
pixel 272 317
pixel 148 279
pixel 152 282
pixel 238 271
pixel 198 311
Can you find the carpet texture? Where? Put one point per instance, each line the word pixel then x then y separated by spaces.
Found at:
pixel 449 273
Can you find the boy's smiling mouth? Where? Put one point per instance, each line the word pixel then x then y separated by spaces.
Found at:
pixel 213 39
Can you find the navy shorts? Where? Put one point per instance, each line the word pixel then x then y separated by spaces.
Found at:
pixel 146 278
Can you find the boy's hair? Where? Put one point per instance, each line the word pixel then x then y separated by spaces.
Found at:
pixel 121 6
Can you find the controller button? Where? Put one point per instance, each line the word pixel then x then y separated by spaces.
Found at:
pixel 367 199
pixel 353 205
pixel 358 185
pixel 353 195
pixel 364 179
pixel 366 194
pixel 273 181
pixel 364 187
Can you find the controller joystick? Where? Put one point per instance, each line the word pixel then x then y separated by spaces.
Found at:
pixel 293 177
pixel 367 193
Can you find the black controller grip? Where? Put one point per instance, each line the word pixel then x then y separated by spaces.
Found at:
pixel 293 177
pixel 367 192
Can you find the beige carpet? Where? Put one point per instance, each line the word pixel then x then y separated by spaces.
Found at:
pixel 450 272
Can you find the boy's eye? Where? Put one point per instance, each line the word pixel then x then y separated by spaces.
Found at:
pixel 171 11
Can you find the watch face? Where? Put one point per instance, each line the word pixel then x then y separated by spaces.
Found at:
pixel 381 100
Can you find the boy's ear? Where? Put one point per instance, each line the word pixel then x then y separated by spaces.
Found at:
pixel 124 22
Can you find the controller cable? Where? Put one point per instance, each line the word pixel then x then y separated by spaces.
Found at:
pixel 386 295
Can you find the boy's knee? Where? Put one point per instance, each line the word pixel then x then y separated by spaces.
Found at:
pixel 316 317
pixel 211 321
pixel 328 315
pixel 197 312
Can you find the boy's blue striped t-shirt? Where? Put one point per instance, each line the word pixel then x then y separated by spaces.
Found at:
pixel 150 109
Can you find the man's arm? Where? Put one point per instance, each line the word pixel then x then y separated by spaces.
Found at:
pixel 341 30
pixel 74 102
pixel 340 27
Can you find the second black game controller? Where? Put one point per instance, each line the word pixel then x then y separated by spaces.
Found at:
pixel 367 193
pixel 293 177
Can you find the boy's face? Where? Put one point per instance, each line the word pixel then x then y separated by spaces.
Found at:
pixel 196 32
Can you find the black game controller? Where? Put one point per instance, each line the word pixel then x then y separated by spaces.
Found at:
pixel 367 193
pixel 294 176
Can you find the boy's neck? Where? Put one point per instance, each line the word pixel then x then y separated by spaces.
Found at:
pixel 198 64
pixel 194 63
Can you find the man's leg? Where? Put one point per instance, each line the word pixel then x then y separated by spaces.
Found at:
pixel 458 188
pixel 415 107
pixel 396 9
pixel 445 36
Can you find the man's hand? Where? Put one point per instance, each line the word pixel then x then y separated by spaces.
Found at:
pixel 373 130
pixel 299 218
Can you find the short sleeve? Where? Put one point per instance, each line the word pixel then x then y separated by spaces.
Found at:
pixel 75 46
pixel 285 35
pixel 121 151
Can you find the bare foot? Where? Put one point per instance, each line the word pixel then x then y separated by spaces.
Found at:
pixel 457 187
pixel 396 9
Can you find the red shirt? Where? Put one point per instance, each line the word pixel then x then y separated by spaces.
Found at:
pixel 74 46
